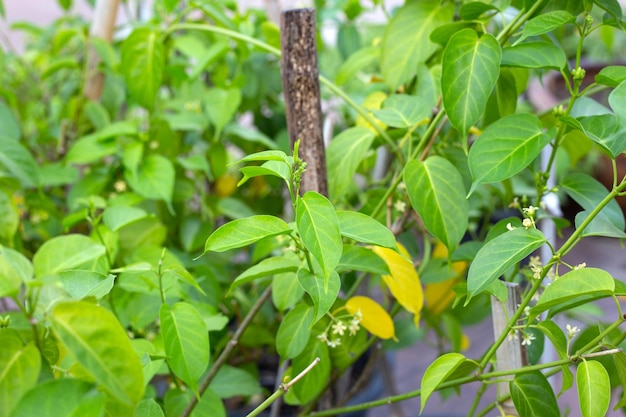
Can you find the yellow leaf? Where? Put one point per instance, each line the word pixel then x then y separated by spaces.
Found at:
pixel 404 283
pixel 465 342
pixel 373 317
pixel 373 101
pixel 440 295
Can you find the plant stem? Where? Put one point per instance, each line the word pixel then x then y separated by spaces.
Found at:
pixel 228 350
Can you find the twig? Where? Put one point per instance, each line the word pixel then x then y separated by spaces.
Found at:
pixel 230 346
pixel 282 390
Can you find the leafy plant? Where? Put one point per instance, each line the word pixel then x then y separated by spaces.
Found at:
pixel 145 233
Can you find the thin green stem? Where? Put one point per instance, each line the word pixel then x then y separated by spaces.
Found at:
pixel 598 339
pixel 479 395
pixel 268 401
pixel 517 22
pixel 228 350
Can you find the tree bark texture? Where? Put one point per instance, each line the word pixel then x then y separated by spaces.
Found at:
pixel 300 76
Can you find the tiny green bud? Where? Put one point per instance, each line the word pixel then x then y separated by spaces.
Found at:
pixel 5 321
pixel 578 74
pixel 558 111
pixel 589 20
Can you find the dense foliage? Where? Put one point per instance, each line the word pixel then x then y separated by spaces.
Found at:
pixel 149 234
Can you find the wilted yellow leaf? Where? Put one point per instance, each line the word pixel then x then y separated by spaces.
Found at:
pixel 440 295
pixel 374 318
pixel 465 342
pixel 404 283
pixel 373 101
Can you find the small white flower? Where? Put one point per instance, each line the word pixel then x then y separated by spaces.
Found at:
pixel 514 203
pixel 513 334
pixel 353 327
pixel 580 266
pixel 120 186
pixel 530 211
pixel 527 339
pixel 400 206
pixel 510 227
pixel 334 343
pixel 571 330
pixel 154 145
pixel 358 315
pixel 323 337
pixel 527 223
pixel 527 311
pixel 339 328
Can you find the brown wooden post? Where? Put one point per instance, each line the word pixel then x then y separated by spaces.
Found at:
pixel 511 354
pixel 301 88
pixel 101 27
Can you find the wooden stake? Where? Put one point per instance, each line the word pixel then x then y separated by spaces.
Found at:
pixel 101 27
pixel 300 76
pixel 511 354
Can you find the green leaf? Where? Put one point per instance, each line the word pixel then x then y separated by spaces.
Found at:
pixel 65 4
pixel 574 288
pixel 294 331
pixel 148 408
pixel 19 369
pixel 568 379
pixel 594 389
pixel 143 60
pixel 356 62
pixel 19 162
pixel 230 382
pixel 10 127
pixel 265 268
pixel 534 55
pixel 323 296
pixel 406 41
pixel 67 252
pixel 95 146
pixel 599 226
pixel 470 69
pixel 186 342
pixel 614 9
pixel 437 372
pixel 154 179
pixel 314 382
pixel 117 217
pixel 273 168
pixel 319 230
pixel 81 284
pixel 506 147
pixel 362 228
pixel 498 255
pixel 588 193
pixel 15 269
pixel 243 232
pixel 611 75
pixel 210 405
pixel 437 193
pixel 360 258
pixel 617 100
pixel 546 23
pixel 620 365
pixel 603 129
pixel 556 336
pixel 343 157
pixel 221 106
pixel 402 110
pixel 474 9
pixel 67 397
pixel 286 291
pixel 92 335
pixel 533 396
